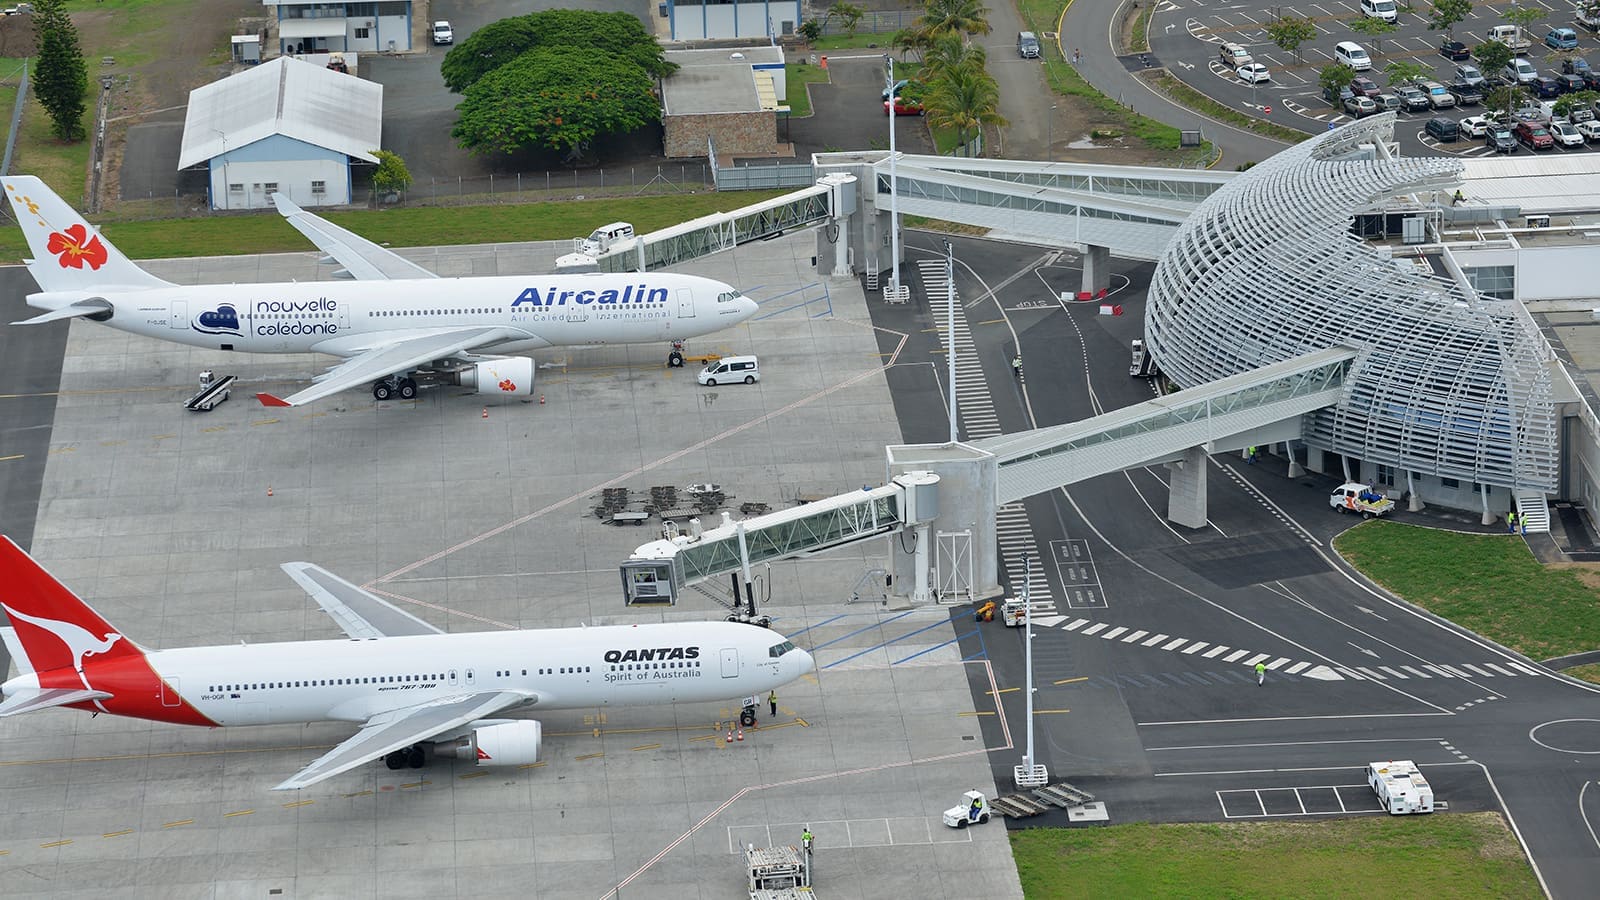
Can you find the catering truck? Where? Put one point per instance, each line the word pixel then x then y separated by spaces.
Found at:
pixel 1400 787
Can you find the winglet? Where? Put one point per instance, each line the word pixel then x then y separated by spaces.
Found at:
pixel 269 400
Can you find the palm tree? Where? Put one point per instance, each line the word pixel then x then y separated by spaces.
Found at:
pixel 966 99
pixel 966 17
pixel 949 53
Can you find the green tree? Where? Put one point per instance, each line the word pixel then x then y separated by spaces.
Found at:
pixel 1333 77
pixel 848 13
pixel 1505 98
pixel 617 34
pixel 60 80
pixel 1522 16
pixel 1375 29
pixel 1579 100
pixel 965 99
pixel 556 98
pixel 1492 57
pixel 391 175
pixel 1406 72
pixel 949 53
pixel 811 29
pixel 1444 15
pixel 966 17
pixel 1289 32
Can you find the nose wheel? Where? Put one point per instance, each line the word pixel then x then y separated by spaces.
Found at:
pixel 675 358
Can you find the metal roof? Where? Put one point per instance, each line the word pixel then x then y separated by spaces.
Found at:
pixel 716 81
pixel 285 96
pixel 1542 183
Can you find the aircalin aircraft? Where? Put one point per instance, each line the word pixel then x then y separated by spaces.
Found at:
pixel 411 687
pixel 394 323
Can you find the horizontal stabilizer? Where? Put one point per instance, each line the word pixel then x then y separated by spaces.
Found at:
pixel 71 311
pixel 30 700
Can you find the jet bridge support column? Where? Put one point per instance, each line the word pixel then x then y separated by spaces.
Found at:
pixel 1186 489
pixel 835 235
pixel 1096 272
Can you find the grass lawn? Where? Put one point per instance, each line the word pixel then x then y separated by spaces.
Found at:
pixel 266 232
pixel 798 75
pixel 1437 856
pixel 1489 583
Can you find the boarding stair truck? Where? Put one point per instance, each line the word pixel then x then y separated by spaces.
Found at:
pixel 974 810
pixel 1014 612
pixel 1356 497
pixel 1400 787
pixel 1511 36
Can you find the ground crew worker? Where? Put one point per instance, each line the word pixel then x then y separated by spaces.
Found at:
pixel 772 701
pixel 1250 455
pixel 977 807
pixel 805 840
pixel 1016 365
pixel 1261 673
pixel 1511 522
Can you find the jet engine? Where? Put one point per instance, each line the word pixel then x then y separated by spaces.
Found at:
pixel 511 375
pixel 514 743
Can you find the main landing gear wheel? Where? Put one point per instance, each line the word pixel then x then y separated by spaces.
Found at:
pixel 675 359
pixel 382 390
pixel 395 759
pixel 408 389
pixel 414 757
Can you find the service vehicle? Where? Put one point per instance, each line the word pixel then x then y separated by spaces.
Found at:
pixel 1400 787
pixel 601 239
pixel 1379 9
pixel 974 810
pixel 1511 36
pixel 1140 364
pixel 443 33
pixel 1474 126
pixel 1590 130
pixel 730 369
pixel 1014 613
pixel 1353 496
pixel 1589 17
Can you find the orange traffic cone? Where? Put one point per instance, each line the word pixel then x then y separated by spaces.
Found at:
pixel 730 736
pixel 486 412
pixel 269 490
pixel 541 399
pixel 741 733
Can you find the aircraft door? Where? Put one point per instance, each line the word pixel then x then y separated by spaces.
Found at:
pixel 342 318
pixel 178 318
pixel 685 303
pixel 730 662
pixel 169 692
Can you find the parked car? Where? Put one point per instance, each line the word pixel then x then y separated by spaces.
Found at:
pixel 1337 98
pixel 1591 80
pixel 1561 39
pixel 1520 71
pixel 1412 97
pixel 1546 87
pixel 1253 73
pixel 1439 97
pixel 1365 86
pixel 1380 9
pixel 1475 126
pixel 1566 134
pixel 1471 74
pixel 1234 56
pixel 1579 114
pixel 1352 54
pixel 1590 130
pixel 1358 106
pixel 1574 65
pixel 1388 103
pixel 1533 136
pixel 1450 49
pixel 1027 45
pixel 895 89
pixel 1442 129
pixel 1499 139
pixel 1465 94
pixel 443 33
pixel 1570 84
pixel 904 106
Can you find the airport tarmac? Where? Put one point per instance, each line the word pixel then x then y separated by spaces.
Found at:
pixel 173 525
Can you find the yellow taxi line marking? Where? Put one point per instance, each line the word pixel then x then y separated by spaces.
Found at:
pixel 5 852
pixel 415 784
pixel 296 803
pixel 979 713
pixel 531 765
pixel 11 457
pixel 112 834
pixel 55 844
pixel 54 450
pixel 251 812
pixel 1069 680
pixel 179 823
pixel 992 322
pixel 706 737
pixel 589 756
pixel 647 747
pixel 264 422
pixel 473 775
pixel 162 437
pixel 1003 691
pixel 213 428
pixel 797 721
pixel 346 796
pixel 117 443
pixel 803 722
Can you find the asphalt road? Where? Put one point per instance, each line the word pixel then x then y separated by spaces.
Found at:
pixel 30 376
pixel 1177 729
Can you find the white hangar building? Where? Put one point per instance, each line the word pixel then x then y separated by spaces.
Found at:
pixel 285 125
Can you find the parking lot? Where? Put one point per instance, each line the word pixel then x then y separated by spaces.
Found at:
pixel 1187 41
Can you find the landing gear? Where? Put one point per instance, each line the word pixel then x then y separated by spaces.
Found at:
pixel 410 757
pixel 387 388
pixel 675 358
pixel 383 390
pixel 408 390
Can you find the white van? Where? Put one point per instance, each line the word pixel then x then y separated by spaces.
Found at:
pixel 1353 55
pixel 601 239
pixel 1379 9
pixel 730 369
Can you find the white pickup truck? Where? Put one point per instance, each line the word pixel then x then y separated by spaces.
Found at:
pixel 1512 37
pixel 1355 497
pixel 1400 787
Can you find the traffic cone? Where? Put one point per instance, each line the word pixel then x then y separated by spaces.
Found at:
pixel 486 412
pixel 741 732
pixel 730 736
pixel 269 490
pixel 541 399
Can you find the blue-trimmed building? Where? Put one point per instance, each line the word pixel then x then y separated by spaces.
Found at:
pixel 696 20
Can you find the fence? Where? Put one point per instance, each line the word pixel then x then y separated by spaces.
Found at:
pixel 972 149
pixel 765 177
pixel 881 22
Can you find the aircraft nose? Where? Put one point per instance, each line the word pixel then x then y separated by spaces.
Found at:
pixel 806 662
pixel 748 307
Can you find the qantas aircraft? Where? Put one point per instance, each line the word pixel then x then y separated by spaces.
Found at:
pixel 411 687
pixel 394 324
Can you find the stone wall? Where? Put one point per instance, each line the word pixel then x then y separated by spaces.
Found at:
pixel 736 134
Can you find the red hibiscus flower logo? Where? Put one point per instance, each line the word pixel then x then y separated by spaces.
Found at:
pixel 508 385
pixel 75 249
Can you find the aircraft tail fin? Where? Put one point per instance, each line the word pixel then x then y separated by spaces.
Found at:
pixel 68 253
pixel 52 628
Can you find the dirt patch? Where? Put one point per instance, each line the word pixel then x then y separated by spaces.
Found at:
pixel 17 38
pixel 1588 573
pixel 1072 139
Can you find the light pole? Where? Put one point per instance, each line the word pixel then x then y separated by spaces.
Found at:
pixel 224 136
pixel 894 191
pixel 1049 136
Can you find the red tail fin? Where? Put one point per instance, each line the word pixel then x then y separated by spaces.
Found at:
pixel 57 630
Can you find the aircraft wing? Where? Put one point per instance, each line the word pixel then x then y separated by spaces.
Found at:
pixel 402 728
pixel 363 259
pixel 397 356
pixel 358 613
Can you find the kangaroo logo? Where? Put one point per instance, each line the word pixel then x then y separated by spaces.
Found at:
pixel 80 642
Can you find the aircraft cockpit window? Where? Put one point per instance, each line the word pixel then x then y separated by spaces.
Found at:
pixel 777 650
pixel 728 296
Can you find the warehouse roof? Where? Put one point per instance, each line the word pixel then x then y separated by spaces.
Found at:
pixel 285 96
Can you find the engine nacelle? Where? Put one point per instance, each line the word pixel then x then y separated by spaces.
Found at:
pixel 512 375
pixel 507 744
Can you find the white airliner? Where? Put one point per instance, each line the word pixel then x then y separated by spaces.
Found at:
pixel 395 323
pixel 411 687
